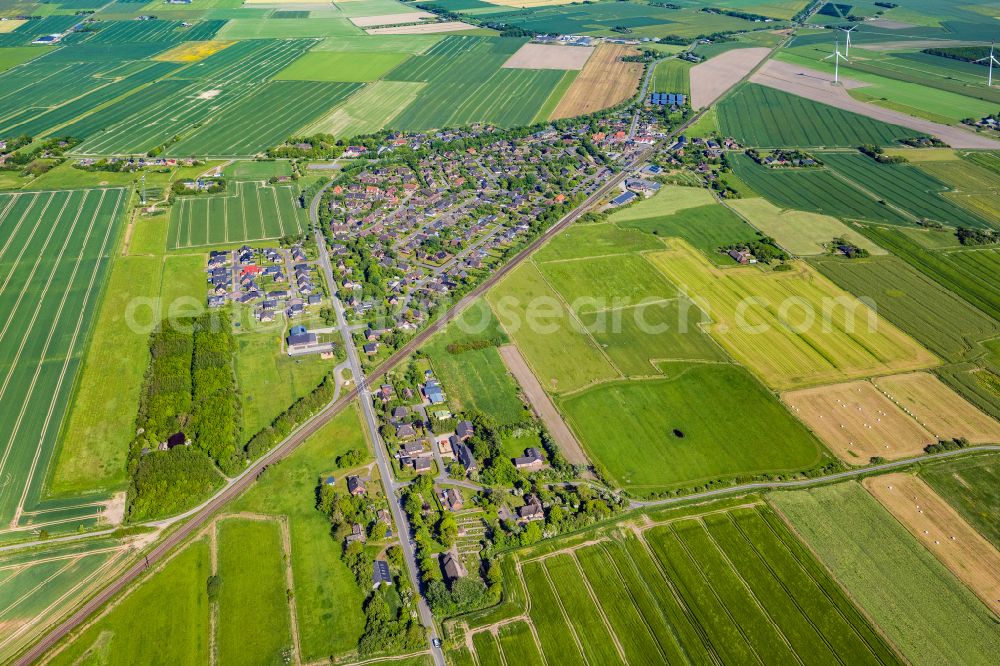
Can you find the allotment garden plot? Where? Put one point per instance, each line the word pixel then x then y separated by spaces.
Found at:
pixel 250 211
pixel 729 586
pixel 52 264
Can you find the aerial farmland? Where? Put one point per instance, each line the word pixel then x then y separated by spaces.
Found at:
pixel 483 332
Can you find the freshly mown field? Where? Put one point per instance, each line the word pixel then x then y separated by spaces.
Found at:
pixel 858 421
pixel 254 211
pixel 172 602
pixel 938 408
pixel 799 232
pixel 471 370
pixel 731 585
pixel 904 186
pixel 604 81
pixel 559 352
pixel 816 190
pixel 969 273
pixel 760 116
pixel 708 228
pixel 793 328
pixel 53 264
pixel 656 434
pixel 972 486
pixel 941 321
pixel 342 66
pixel 922 608
pixel 264 118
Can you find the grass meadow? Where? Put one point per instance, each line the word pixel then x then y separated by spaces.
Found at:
pixel 669 200
pixel 922 608
pixel 775 335
pixel 370 109
pixel 172 602
pixel 476 378
pixel 799 232
pixel 671 76
pixel 657 434
pixel 254 622
pixel 342 66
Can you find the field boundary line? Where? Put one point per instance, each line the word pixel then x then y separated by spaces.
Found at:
pixel 13 235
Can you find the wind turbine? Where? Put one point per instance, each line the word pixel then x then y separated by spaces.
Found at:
pixel 847 51
pixel 991 59
pixel 837 57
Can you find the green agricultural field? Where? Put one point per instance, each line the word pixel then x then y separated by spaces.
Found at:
pixel 324 26
pixel 509 98
pixel 12 56
pixel 210 86
pixel 637 339
pixel 242 129
pixel 487 649
pixel 476 378
pixel 254 622
pixel 370 109
pixel 413 44
pixel 563 357
pixel 816 190
pixel 518 645
pixel 582 241
pixel 716 582
pixel 172 602
pixel 759 116
pixel 903 186
pixel 792 328
pixel 327 598
pixel 922 608
pixel 549 107
pixel 672 76
pixel 969 273
pixel 101 422
pixel 799 232
pixel 269 379
pixel 944 323
pixel 707 228
pixel 252 211
pixel 602 283
pixel 658 434
pixel 669 200
pixel 53 263
pixel 342 66
pixel 972 487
